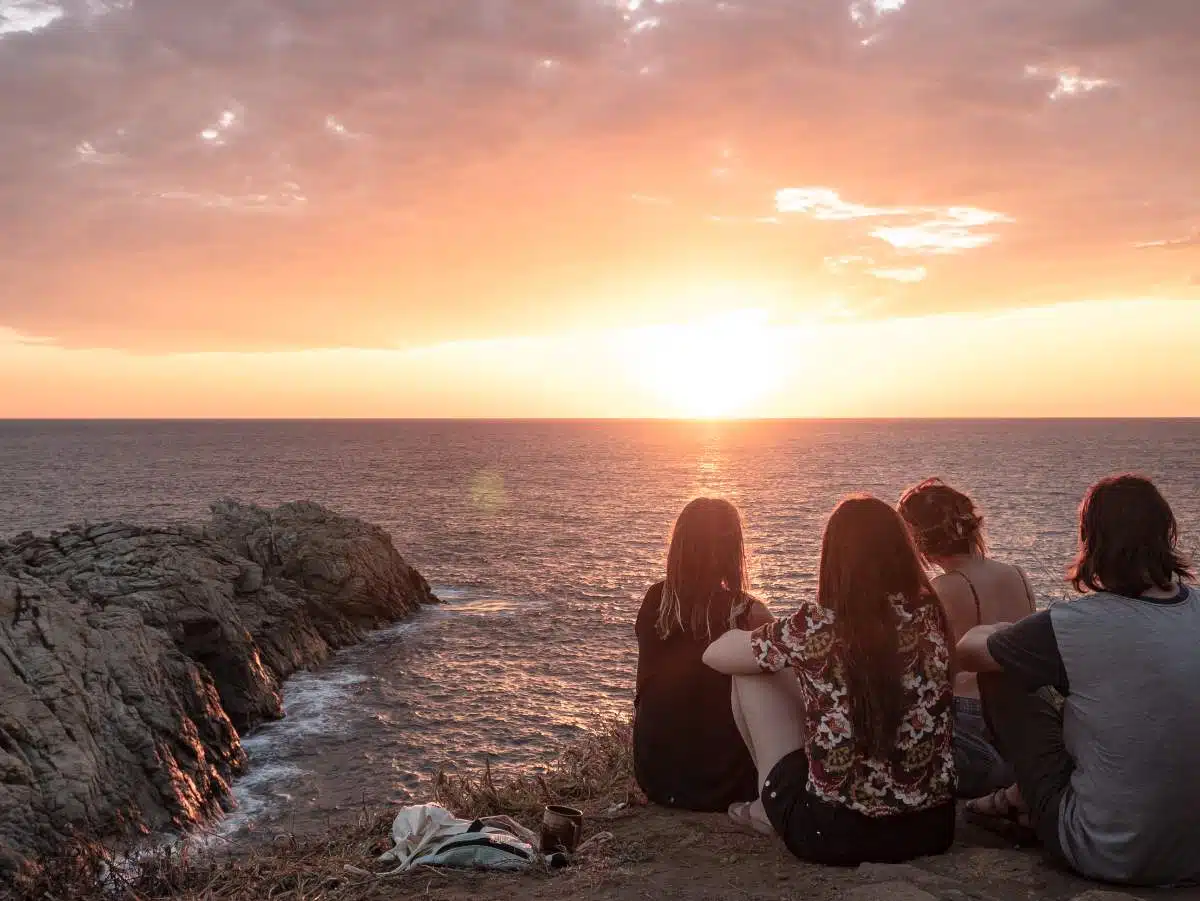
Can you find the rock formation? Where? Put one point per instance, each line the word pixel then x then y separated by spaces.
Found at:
pixel 131 657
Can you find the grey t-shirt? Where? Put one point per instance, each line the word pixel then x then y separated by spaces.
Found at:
pixel 1130 671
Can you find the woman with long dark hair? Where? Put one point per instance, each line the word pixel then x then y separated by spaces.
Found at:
pixel 975 590
pixel 688 751
pixel 853 753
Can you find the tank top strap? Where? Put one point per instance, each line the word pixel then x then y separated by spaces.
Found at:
pixel 974 594
pixel 1028 591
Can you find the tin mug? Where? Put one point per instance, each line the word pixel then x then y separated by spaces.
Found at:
pixel 562 828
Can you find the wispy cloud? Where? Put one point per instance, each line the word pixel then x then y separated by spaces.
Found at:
pixel 1067 82
pixel 909 275
pixel 916 229
pixel 827 205
pixel 1170 243
pixel 951 230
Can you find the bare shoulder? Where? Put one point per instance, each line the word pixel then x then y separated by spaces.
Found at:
pixel 1030 598
pixel 952 588
pixel 954 593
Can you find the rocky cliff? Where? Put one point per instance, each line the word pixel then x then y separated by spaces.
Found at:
pixel 131 658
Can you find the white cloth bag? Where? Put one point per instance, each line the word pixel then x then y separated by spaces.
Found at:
pixel 429 835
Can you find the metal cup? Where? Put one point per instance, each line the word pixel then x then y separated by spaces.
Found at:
pixel 562 827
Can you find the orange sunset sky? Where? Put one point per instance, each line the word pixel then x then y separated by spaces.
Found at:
pixel 597 208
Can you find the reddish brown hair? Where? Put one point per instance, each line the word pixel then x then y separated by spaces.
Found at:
pixel 1128 539
pixel 944 521
pixel 707 557
pixel 867 560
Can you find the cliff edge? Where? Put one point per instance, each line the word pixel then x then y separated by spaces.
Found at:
pixel 131 657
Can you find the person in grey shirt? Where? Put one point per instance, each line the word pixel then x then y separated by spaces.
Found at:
pixel 1107 779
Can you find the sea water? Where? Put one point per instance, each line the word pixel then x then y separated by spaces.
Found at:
pixel 541 537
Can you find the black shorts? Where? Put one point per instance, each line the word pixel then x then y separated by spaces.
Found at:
pixel 830 834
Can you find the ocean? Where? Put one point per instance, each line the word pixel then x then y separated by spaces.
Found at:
pixel 542 537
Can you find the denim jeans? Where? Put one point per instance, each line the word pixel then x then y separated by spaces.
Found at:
pixel 981 768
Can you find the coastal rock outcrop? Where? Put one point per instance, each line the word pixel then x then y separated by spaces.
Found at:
pixel 131 657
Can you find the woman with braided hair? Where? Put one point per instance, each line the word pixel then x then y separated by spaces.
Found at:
pixel 974 590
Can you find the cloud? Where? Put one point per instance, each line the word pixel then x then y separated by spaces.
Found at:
pixel 1170 243
pixel 286 174
pixel 908 275
pixel 28 16
pixel 1067 82
pixel 916 229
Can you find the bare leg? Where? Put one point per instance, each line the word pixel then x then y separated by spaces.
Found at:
pixel 769 711
pixel 739 720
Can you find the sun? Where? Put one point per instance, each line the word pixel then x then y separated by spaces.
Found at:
pixel 714 368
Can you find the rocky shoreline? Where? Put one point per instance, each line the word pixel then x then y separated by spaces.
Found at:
pixel 132 657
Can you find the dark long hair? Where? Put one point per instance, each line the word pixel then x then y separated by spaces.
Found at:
pixel 1128 539
pixel 868 565
pixel 707 557
pixel 943 520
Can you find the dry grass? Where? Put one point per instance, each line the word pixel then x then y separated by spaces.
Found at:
pixel 290 869
pixel 595 773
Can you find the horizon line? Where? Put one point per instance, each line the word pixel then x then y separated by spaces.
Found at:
pixel 584 419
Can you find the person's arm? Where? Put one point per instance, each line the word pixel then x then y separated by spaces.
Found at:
pixel 1026 650
pixel 757 615
pixel 769 648
pixel 972 654
pixel 644 629
pixel 733 654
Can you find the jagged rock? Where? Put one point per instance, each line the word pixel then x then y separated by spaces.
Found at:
pixel 130 656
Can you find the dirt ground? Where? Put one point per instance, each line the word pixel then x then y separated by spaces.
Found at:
pixel 654 854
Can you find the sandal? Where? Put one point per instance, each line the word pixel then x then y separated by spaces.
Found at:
pixel 998 814
pixel 741 812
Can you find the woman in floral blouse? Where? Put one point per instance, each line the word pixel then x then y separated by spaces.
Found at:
pixel 846 705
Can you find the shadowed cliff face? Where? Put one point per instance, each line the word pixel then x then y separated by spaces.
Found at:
pixel 130 657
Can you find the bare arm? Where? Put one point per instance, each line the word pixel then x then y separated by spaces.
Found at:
pixel 972 655
pixel 758 615
pixel 732 655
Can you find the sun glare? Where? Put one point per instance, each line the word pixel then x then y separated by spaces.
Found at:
pixel 714 368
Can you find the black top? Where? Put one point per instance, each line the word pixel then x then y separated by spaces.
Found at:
pixel 687 750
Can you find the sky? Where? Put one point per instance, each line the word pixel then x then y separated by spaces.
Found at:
pixel 599 208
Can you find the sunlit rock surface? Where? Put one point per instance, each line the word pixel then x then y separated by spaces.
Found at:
pixel 131 656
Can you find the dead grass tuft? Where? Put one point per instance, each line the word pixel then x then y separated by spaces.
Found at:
pixel 593 774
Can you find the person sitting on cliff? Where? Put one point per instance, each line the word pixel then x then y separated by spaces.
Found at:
pixel 688 752
pixel 974 590
pixel 1107 778
pixel 847 704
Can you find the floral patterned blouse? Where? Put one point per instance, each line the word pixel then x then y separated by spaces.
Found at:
pixel 919 773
